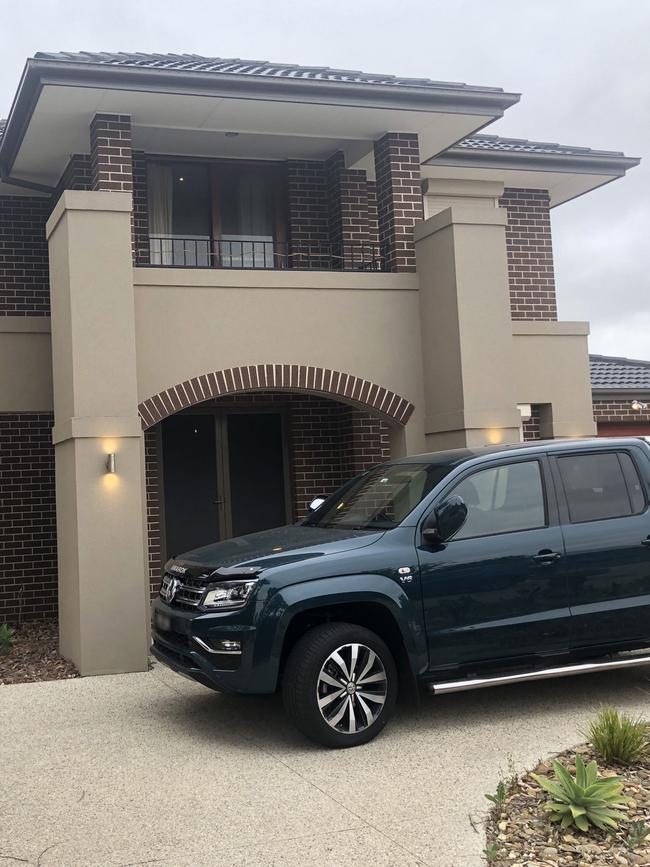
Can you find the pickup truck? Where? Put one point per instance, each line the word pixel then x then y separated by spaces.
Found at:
pixel 449 571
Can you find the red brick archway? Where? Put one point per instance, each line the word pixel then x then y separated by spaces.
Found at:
pixel 276 377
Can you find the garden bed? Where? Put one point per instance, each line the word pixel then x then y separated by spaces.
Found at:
pixel 35 656
pixel 520 834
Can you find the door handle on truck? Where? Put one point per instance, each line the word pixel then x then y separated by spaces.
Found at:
pixel 545 558
pixel 646 542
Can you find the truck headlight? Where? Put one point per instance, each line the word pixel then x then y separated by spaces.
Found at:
pixel 229 594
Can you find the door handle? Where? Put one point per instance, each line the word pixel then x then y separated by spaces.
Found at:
pixel 545 558
pixel 646 542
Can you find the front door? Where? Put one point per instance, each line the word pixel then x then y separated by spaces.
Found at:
pixel 497 590
pixel 224 475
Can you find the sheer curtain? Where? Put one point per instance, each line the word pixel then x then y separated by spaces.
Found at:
pixel 254 215
pixel 161 196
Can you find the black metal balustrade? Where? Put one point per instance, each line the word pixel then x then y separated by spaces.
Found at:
pixel 172 251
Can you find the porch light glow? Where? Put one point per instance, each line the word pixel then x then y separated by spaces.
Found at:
pixel 638 405
pixel 110 462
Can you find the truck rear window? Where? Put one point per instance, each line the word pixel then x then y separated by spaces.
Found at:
pixel 602 485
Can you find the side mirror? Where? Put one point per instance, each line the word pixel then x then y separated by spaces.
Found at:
pixel 445 520
pixel 317 502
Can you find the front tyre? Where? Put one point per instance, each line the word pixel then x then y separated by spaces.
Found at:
pixel 340 685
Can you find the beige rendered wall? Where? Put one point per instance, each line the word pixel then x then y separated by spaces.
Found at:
pixel 103 611
pixel 25 364
pixel 193 322
pixel 466 329
pixel 551 366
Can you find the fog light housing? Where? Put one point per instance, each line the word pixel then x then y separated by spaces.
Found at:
pixel 229 646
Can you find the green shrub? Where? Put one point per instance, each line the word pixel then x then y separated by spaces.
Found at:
pixel 637 834
pixel 618 737
pixel 491 852
pixel 7 638
pixel 499 798
pixel 583 801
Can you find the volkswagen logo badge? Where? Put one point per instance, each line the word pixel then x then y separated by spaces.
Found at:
pixel 171 590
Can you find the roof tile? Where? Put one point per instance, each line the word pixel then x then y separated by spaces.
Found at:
pixel 237 66
pixel 522 145
pixel 612 373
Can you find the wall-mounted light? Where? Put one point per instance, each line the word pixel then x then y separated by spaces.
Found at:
pixel 638 405
pixel 110 462
pixel 525 411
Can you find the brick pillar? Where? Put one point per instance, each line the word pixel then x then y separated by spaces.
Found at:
pixel 347 193
pixel 111 163
pixel 530 254
pixel 399 197
pixel 308 219
pixel 141 253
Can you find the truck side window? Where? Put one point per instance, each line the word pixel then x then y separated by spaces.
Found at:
pixel 603 485
pixel 502 499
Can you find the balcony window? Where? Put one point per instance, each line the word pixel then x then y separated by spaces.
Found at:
pixel 221 214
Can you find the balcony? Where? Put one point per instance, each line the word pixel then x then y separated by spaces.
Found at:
pixel 259 253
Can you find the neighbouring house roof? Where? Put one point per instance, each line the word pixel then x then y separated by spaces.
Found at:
pixel 609 373
pixel 237 66
pixel 522 145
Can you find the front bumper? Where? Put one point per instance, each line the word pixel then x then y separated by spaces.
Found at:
pixel 173 633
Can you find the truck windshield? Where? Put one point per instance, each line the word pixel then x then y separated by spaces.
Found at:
pixel 379 499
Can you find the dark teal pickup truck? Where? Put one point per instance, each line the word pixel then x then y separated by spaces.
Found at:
pixel 454 570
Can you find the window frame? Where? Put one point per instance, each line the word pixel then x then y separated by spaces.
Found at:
pixel 548 494
pixel 563 500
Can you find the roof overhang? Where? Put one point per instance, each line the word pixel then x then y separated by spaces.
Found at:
pixel 565 176
pixel 189 113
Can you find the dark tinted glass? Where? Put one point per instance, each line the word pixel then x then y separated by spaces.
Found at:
pixel 381 498
pixel 634 485
pixel 502 499
pixel 595 486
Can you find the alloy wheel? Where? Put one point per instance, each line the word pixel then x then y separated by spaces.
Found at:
pixel 351 689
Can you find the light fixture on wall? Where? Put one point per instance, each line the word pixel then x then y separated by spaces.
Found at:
pixel 110 462
pixel 638 405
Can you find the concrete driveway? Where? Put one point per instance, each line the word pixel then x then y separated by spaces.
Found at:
pixel 150 769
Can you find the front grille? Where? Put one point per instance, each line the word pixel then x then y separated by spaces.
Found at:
pixel 189 593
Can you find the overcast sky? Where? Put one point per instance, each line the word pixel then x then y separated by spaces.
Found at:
pixel 582 67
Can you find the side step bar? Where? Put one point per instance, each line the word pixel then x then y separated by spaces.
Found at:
pixel 539 674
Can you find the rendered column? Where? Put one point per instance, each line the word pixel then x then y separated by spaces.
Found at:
pixel 103 604
pixel 466 330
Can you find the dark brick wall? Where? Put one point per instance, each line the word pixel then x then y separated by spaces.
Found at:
pixel 328 442
pixel 610 410
pixel 76 175
pixel 153 489
pixel 347 191
pixel 28 568
pixel 24 277
pixel 530 254
pixel 307 203
pixel 373 225
pixel 140 209
pixel 111 164
pixel 531 428
pixel 399 197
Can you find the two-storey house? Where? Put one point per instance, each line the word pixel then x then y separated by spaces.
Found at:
pixel 228 286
